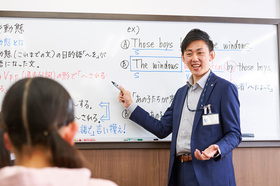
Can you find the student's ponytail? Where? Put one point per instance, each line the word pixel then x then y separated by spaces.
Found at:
pixel 63 154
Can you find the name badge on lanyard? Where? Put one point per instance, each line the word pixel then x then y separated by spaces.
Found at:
pixel 210 118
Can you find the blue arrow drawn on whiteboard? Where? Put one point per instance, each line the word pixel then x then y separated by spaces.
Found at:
pixel 107 115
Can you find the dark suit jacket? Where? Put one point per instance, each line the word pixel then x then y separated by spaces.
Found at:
pixel 223 97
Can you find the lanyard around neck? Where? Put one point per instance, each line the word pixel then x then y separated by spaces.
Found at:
pixel 202 95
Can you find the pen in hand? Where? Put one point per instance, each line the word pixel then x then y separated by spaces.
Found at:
pixel 116 85
pixel 124 96
pixel 121 92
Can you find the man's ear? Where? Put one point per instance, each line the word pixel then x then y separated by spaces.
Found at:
pixel 212 55
pixel 7 141
pixel 68 132
pixel 183 58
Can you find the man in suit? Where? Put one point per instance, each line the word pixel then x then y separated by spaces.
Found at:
pixel 204 119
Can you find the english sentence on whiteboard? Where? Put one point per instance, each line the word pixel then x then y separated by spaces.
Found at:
pixel 234 45
pixel 231 66
pixel 229 45
pixel 138 43
pixel 153 63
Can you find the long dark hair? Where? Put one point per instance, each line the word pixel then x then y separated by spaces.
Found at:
pixel 33 110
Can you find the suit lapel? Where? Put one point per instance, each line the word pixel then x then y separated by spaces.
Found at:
pixel 179 108
pixel 198 114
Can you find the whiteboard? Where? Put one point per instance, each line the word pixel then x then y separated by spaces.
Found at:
pixel 85 55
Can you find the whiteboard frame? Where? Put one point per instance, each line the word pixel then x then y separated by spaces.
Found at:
pixel 166 18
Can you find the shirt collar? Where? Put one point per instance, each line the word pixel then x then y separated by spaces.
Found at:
pixel 200 82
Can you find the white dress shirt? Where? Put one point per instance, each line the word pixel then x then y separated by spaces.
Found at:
pixel 183 144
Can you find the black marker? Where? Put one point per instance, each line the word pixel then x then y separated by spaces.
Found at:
pixel 116 85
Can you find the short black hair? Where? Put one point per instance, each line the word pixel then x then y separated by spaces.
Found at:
pixel 196 34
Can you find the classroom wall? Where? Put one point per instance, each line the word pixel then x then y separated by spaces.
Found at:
pixel 220 8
